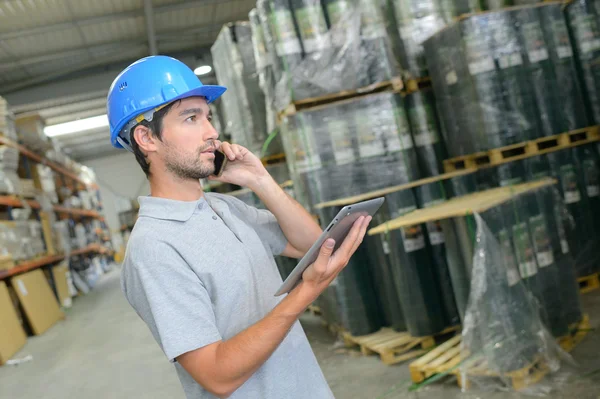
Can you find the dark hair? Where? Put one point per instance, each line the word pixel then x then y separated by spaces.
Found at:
pixel 155 126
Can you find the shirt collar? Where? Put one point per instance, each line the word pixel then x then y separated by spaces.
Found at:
pixel 167 209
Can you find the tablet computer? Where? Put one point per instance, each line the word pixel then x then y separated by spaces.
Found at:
pixel 338 229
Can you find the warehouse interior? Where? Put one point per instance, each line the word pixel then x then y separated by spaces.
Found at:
pixel 477 121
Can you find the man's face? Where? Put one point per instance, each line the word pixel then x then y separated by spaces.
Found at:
pixel 188 139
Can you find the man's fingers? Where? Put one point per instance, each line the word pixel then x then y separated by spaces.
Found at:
pixel 346 247
pixel 361 233
pixel 228 151
pixel 317 269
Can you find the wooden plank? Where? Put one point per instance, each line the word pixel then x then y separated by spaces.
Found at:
pixel 462 206
pixel 589 283
pixel 47 260
pixel 9 200
pixel 389 190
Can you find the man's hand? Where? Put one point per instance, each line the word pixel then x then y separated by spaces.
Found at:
pixel 327 266
pixel 243 167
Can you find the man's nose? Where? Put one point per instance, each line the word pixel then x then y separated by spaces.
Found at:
pixel 211 133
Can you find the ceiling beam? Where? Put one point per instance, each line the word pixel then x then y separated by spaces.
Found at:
pixel 121 47
pixel 149 17
pixel 100 19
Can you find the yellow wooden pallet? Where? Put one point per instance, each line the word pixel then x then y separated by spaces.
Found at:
pixel 527 149
pixel 446 358
pixel 314 309
pixel 394 85
pixel 393 346
pixel 589 283
pixel 578 333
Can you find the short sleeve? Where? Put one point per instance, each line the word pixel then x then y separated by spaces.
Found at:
pixel 169 297
pixel 265 224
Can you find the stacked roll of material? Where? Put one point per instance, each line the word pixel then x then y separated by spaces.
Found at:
pixel 495 78
pixel 430 151
pixel 327 46
pixel 416 20
pixel 587 161
pixel 584 25
pixel 581 231
pixel 349 148
pixel 235 66
pixel 7 121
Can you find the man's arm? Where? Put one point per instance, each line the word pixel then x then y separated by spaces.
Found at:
pixel 222 367
pixel 298 226
pixel 245 169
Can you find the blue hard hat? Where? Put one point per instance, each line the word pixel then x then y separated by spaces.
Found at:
pixel 146 86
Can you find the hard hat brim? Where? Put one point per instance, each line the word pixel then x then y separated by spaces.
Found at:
pixel 209 92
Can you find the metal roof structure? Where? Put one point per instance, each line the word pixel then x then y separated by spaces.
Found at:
pixel 58 57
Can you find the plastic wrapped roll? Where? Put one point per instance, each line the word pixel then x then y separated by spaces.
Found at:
pixel 376 51
pixel 588 166
pixel 512 317
pixel 429 195
pixel 581 232
pixel 244 113
pixel 420 109
pixel 455 8
pixel 556 265
pixel 417 20
pixel 316 43
pixel 571 110
pixel 415 279
pixel 584 24
pixel 343 16
pixel 288 50
pixel 349 148
pixel 385 274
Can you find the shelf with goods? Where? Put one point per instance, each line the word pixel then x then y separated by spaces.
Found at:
pixel 50 205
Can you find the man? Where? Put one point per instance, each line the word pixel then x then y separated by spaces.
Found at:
pixel 199 268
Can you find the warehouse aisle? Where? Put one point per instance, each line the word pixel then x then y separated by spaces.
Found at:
pixel 100 349
pixel 103 350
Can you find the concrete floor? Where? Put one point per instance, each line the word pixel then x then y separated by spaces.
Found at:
pixel 103 350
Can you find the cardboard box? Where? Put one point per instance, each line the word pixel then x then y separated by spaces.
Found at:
pixel 39 303
pixel 6 262
pixel 12 336
pixel 48 232
pixel 59 274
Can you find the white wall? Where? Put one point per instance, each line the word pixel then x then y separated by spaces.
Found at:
pixel 120 178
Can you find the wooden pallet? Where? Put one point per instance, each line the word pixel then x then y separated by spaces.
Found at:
pixel 577 334
pixel 414 85
pixel 589 283
pixel 273 159
pixel 314 309
pixel 394 347
pixel 527 149
pixel 446 358
pixel 394 85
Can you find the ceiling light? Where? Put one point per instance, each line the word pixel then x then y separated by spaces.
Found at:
pixel 202 70
pixel 80 125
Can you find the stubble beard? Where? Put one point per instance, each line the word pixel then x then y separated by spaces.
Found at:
pixel 189 166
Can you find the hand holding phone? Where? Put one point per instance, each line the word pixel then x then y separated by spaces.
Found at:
pixel 220 163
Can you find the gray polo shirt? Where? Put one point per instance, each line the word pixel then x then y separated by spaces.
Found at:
pixel 203 271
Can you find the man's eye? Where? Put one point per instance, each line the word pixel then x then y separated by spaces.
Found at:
pixel 191 118
pixel 209 118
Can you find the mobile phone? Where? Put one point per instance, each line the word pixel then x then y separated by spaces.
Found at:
pixel 220 163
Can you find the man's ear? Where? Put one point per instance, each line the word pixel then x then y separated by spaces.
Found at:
pixel 144 138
